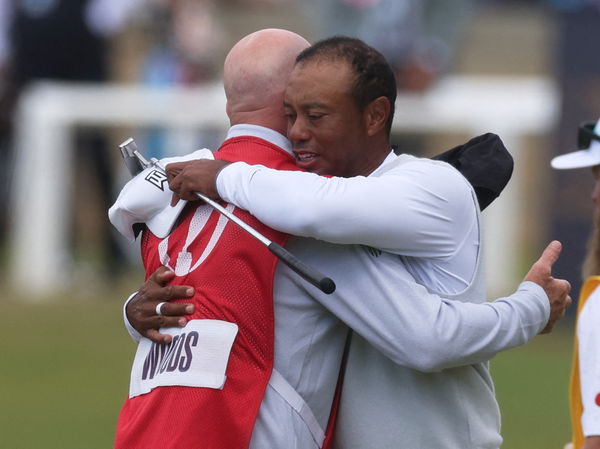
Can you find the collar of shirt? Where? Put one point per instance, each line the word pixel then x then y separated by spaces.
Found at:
pixel 389 158
pixel 262 133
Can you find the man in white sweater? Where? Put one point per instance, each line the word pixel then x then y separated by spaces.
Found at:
pixel 417 370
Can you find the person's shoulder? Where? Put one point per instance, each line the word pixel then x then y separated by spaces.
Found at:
pixel 410 160
pixel 440 171
pixel 443 180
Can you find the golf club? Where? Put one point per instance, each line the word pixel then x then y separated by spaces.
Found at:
pixel 135 163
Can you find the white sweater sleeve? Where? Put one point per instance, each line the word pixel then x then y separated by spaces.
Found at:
pixel 416 209
pixel 588 336
pixel 135 335
pixel 426 332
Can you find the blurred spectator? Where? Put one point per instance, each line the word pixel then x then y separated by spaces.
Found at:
pixel 416 36
pixel 185 40
pixel 584 391
pixel 64 40
pixel 577 72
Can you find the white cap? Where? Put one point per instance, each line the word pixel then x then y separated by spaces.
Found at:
pixel 582 158
pixel 147 199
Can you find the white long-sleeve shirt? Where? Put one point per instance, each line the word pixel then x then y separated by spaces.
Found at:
pixel 378 297
pixel 425 211
pixel 380 300
pixel 420 209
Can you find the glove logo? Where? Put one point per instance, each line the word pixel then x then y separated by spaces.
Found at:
pixel 157 178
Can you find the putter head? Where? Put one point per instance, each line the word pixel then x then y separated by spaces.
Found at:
pixel 134 161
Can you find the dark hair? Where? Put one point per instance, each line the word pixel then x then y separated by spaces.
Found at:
pixel 374 75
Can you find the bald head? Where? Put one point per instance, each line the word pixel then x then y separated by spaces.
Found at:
pixel 255 75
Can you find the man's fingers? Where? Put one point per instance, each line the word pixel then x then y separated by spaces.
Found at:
pixel 551 253
pixel 141 310
pixel 177 292
pixel 162 276
pixel 174 199
pixel 172 315
pixel 157 337
pixel 181 192
pixel 560 286
pixel 175 186
pixel 173 169
pixel 567 287
pixel 176 310
pixel 558 295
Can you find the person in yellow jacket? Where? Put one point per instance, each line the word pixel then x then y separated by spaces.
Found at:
pixel 584 392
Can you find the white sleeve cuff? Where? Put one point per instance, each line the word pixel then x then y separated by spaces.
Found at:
pixel 539 294
pixel 232 183
pixel 135 335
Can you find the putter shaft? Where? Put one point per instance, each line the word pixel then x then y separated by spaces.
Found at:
pixel 135 163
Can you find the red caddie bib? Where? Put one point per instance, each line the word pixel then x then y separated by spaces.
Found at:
pixel 204 390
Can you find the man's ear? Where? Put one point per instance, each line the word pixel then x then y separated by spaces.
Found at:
pixel 376 115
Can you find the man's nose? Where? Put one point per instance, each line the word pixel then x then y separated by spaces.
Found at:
pixel 297 131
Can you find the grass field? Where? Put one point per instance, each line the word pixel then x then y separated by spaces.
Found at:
pixel 531 385
pixel 64 374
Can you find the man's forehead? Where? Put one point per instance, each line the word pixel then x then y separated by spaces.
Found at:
pixel 320 74
pixel 321 63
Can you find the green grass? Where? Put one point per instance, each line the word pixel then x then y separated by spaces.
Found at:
pixel 532 389
pixel 64 369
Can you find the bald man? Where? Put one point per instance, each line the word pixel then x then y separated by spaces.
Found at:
pixel 204 390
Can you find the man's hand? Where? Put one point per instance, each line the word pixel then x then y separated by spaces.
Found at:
pixel 185 178
pixel 141 310
pixel 556 289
